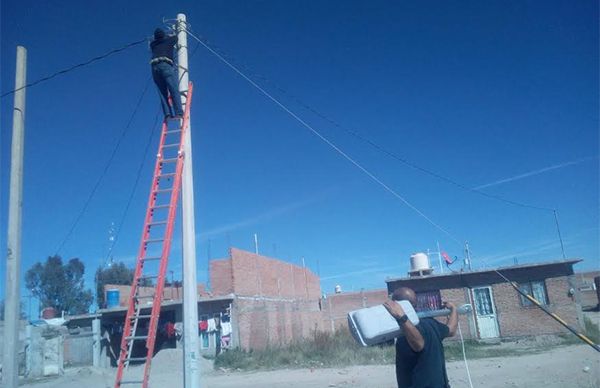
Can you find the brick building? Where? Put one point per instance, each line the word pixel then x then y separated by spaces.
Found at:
pixel 499 311
pixel 274 302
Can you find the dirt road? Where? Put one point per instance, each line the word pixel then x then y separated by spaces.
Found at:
pixel 558 368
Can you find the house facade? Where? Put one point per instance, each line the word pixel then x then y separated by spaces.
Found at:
pixel 499 311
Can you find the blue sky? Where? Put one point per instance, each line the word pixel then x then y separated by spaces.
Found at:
pixel 502 96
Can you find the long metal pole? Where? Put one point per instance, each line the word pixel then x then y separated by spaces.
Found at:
pixel 439 253
pixel 562 247
pixel 191 371
pixel 10 367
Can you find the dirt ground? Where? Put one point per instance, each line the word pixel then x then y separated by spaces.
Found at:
pixel 563 367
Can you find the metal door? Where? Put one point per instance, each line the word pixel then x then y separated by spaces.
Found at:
pixel 485 312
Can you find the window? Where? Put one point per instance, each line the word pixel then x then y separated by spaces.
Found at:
pixel 429 300
pixel 537 289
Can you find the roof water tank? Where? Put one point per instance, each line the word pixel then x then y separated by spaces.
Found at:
pixel 419 262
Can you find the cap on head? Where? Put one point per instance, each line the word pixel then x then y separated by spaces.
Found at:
pixel 159 33
pixel 405 293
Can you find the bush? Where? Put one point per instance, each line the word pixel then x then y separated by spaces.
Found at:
pixel 322 349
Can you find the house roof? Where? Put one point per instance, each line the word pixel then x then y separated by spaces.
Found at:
pixel 518 273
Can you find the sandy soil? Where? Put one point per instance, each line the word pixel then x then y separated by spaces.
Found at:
pixel 563 367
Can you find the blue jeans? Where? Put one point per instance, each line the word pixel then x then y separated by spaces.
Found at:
pixel 165 78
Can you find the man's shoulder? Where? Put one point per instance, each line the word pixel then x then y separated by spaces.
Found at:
pixel 432 324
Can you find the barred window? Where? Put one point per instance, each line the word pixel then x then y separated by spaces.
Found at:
pixel 537 289
pixel 429 300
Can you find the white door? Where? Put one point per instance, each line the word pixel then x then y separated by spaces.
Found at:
pixel 485 312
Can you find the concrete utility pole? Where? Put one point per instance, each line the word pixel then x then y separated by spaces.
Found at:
pixel 191 350
pixel 10 367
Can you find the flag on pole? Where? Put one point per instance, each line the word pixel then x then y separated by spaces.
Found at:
pixel 447 258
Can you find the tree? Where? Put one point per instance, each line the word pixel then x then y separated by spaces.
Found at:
pixel 60 285
pixel 118 274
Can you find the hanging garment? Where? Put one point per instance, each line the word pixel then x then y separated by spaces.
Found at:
pixel 203 325
pixel 225 328
pixel 211 325
pixel 225 341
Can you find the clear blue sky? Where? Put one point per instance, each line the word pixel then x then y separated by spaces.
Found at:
pixel 481 92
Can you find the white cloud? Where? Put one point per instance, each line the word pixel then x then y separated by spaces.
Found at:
pixel 534 172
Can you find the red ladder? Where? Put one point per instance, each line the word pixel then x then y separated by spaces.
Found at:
pixel 154 247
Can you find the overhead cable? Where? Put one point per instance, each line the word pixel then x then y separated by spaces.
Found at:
pixel 327 141
pixel 71 68
pixel 373 144
pixel 105 170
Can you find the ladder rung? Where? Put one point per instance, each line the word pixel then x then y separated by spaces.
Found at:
pixel 173 131
pixel 131 382
pixel 136 337
pixel 144 297
pixel 154 240
pixel 160 207
pixel 170 145
pixel 135 359
pixel 141 317
pixel 167 175
pixel 152 258
pixel 171 160
pixel 157 223
pixel 163 190
pixel 149 277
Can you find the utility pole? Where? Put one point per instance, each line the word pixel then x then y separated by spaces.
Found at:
pixel 191 371
pixel 467 256
pixel 562 247
pixel 12 306
pixel 439 253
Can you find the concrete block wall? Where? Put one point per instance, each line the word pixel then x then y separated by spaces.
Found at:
pixel 515 319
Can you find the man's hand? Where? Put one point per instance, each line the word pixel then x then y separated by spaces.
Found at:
pixel 394 308
pixel 449 305
pixel 452 321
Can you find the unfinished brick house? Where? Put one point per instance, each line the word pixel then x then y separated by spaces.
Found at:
pixel 499 311
pixel 274 302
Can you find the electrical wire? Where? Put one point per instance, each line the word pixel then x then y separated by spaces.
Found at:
pixel 134 187
pixel 139 172
pixel 71 68
pixel 462 342
pixel 105 170
pixel 327 141
pixel 368 141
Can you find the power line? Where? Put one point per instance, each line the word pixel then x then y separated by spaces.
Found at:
pixel 370 142
pixel 134 187
pixel 105 170
pixel 139 172
pixel 71 68
pixel 328 142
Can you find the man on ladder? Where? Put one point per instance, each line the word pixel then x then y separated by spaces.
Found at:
pixel 164 73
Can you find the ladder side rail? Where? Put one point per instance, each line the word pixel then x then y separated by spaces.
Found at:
pixel 166 247
pixel 139 263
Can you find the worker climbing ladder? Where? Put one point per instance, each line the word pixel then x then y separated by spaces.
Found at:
pixel 146 294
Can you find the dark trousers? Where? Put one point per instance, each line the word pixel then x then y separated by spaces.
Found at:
pixel 165 78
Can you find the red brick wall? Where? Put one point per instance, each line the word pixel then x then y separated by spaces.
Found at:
pixel 221 277
pixel 517 320
pixel 337 306
pixel 460 296
pixel 264 322
pixel 248 274
pixel 169 293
